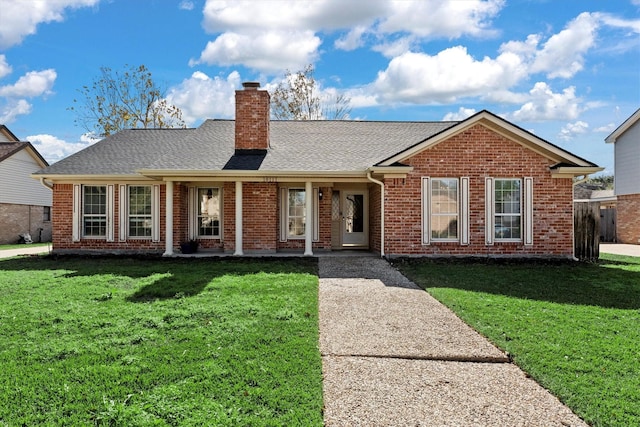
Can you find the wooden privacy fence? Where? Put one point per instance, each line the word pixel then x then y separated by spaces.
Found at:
pixel 586 227
pixel 608 225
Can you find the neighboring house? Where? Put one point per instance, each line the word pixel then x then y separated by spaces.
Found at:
pixel 25 204
pixel 626 147
pixel 481 187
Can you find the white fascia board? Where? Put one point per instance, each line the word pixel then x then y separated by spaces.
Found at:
pixel 623 127
pixel 244 175
pixel 70 179
pixel 391 171
pixel 573 171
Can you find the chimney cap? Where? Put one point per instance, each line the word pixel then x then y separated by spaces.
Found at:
pixel 251 85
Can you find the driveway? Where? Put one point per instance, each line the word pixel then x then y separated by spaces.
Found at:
pixel 394 356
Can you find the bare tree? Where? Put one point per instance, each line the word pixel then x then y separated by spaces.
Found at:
pixel 297 97
pixel 119 100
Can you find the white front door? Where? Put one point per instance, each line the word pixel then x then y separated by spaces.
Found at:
pixel 355 218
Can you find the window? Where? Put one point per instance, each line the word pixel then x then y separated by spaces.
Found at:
pixel 445 210
pixel 508 209
pixel 46 213
pixel 94 210
pixel 208 218
pixel 444 203
pixel 140 218
pixel 296 213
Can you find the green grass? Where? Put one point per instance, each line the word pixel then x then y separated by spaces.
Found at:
pixel 139 342
pixel 573 327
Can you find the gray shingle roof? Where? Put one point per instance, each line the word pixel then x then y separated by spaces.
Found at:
pixel 295 146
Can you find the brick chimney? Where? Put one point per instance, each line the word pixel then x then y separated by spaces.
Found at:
pixel 252 119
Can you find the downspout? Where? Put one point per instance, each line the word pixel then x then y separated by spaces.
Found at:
pixel 583 179
pixel 44 182
pixel 381 184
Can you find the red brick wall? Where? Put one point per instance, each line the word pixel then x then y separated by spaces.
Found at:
pixel 62 222
pixel 374 218
pixel 252 119
pixel 478 153
pixel 62 216
pixel 259 216
pixel 628 219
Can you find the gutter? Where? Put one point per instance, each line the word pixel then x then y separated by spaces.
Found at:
pixel 381 184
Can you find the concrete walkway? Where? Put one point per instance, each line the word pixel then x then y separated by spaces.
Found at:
pixel 25 250
pixel 620 249
pixel 394 356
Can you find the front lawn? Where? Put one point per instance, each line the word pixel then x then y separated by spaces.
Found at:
pixel 159 342
pixel 573 327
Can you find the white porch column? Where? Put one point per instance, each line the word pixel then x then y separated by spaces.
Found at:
pixel 308 229
pixel 238 218
pixel 168 220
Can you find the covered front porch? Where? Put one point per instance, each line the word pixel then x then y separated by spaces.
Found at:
pixel 278 217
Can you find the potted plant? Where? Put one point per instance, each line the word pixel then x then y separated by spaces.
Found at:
pixel 189 247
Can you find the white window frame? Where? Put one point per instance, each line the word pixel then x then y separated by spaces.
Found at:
pixel 79 215
pixel 284 214
pixel 124 215
pixel 194 212
pixel 526 211
pixel 462 211
pixel 131 216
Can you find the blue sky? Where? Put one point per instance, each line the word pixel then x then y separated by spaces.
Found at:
pixel 568 71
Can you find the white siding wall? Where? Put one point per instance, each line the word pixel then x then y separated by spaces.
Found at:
pixel 3 138
pixel 16 184
pixel 627 161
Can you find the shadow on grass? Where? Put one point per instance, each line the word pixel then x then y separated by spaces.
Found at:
pixel 167 277
pixel 611 283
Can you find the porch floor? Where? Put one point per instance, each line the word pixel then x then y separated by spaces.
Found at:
pixel 203 253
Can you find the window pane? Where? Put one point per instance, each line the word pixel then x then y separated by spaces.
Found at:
pixel 508 218
pixel 94 210
pixel 208 211
pixel 140 211
pixel 444 205
pixel 297 213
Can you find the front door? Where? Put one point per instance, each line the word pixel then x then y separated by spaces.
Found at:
pixel 355 218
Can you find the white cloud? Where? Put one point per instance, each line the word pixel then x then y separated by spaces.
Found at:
pixel 34 83
pixel 5 68
pixel 20 18
pixel 202 97
pixel 614 21
pixel 547 105
pixel 570 130
pixel 446 77
pixel 352 40
pixel 461 114
pixel 12 109
pixel 269 51
pixel 54 149
pixel 393 48
pixel 186 5
pixel 286 34
pixel 437 18
pixel 607 128
pixel 563 54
